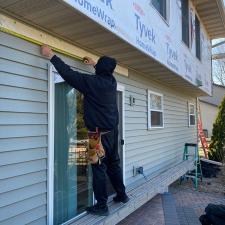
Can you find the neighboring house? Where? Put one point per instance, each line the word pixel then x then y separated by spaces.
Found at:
pixel 209 108
pixel 163 50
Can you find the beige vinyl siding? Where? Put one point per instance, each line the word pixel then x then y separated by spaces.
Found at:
pixel 156 149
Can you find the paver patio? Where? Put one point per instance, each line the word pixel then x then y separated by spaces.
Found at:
pixel 189 206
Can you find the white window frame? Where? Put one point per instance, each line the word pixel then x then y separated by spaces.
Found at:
pixel 155 110
pixel 166 20
pixel 191 114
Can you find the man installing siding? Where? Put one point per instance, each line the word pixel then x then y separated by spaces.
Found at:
pixel 101 115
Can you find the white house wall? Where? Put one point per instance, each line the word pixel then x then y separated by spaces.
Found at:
pixel 24 130
pixel 159 148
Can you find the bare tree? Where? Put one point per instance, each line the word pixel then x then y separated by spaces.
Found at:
pixel 219 71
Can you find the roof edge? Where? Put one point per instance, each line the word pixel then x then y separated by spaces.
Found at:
pixel 219 85
pixel 204 101
pixel 221 8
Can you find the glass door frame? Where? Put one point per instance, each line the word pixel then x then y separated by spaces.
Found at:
pixel 121 88
pixel 50 163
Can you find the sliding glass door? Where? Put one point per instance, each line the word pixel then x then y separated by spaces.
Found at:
pixel 120 94
pixel 72 176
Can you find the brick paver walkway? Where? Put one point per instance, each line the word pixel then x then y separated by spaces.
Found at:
pixel 189 206
pixel 149 214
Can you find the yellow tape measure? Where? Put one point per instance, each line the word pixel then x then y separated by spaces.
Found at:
pixel 5 30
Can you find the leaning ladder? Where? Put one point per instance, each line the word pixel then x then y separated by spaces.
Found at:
pixel 201 134
pixel 197 172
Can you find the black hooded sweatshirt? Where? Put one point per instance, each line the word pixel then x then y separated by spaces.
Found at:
pixel 100 106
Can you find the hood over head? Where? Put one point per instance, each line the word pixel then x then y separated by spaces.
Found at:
pixel 105 66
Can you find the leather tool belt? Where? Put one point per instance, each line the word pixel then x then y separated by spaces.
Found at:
pixel 95 150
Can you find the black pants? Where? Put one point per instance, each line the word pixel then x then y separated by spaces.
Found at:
pixel 110 166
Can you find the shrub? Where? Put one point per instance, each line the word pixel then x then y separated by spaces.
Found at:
pixel 217 146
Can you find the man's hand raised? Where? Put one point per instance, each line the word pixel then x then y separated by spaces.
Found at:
pixel 89 61
pixel 47 51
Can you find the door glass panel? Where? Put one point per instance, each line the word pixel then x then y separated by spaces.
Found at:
pixel 72 176
pixel 120 136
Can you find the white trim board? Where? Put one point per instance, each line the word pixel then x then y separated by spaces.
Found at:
pixel 50 181
pixel 121 88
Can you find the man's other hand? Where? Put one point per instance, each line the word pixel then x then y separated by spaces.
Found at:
pixel 89 61
pixel 47 51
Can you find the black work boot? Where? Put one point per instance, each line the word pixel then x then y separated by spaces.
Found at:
pixel 123 199
pixel 98 210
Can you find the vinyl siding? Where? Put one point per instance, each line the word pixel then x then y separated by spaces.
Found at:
pixel 23 132
pixel 156 149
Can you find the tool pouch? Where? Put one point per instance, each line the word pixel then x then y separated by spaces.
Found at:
pixel 95 150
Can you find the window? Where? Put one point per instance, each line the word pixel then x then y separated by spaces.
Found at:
pixel 155 110
pixel 161 7
pixel 185 21
pixel 192 114
pixel 197 38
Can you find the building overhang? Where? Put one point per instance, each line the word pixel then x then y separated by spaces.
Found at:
pixel 209 103
pixel 212 14
pixel 57 18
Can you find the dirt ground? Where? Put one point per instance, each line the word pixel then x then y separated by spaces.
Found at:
pixel 208 185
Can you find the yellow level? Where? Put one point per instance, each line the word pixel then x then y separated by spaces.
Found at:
pixel 5 30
